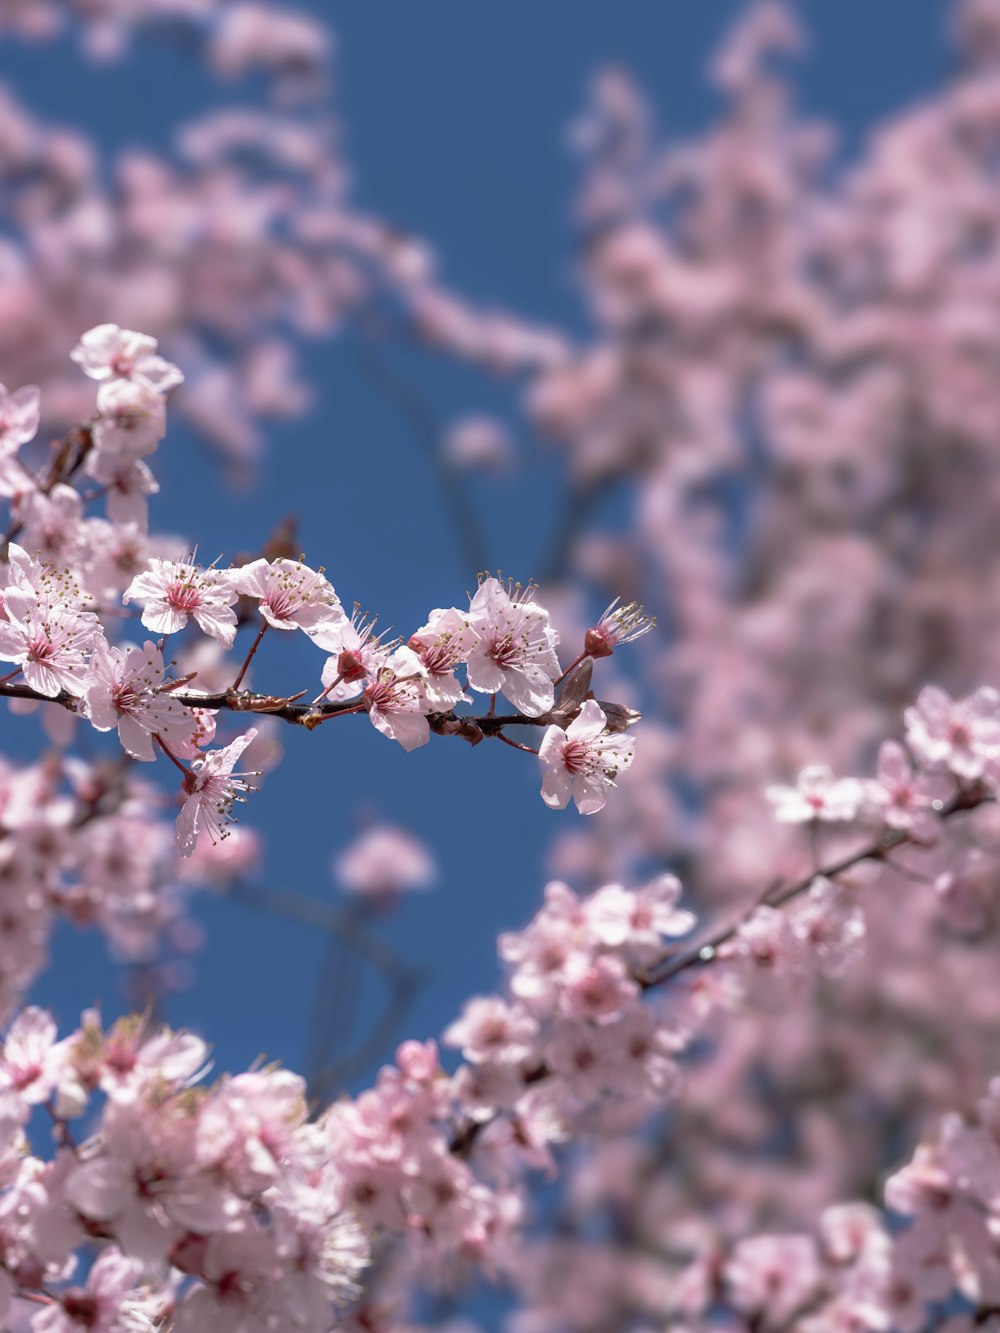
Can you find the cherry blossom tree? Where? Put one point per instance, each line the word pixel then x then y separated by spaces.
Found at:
pixel 741 1069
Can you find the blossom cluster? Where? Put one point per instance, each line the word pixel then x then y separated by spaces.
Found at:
pixel 227 1184
pixel 87 842
pixel 68 573
pixel 928 1262
pixel 227 1203
pixel 231 1203
pixel 789 377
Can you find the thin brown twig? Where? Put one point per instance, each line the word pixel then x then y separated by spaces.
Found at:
pixel 287 708
pixel 249 657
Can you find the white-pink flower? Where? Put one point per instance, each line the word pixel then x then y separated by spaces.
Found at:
pixel 442 644
pixel 773 1276
pixel 171 591
pixel 128 481
pixel 516 652
pixel 132 419
pixel 382 861
pixel 962 735
pixel 125 692
pixel 903 798
pixel 583 761
pixel 47 634
pixel 291 595
pixel 830 922
pixel 395 701
pixel 637 920
pixel 31 1059
pixel 108 352
pixel 357 650
pixel 19 417
pixel 211 788
pixel 492 1030
pixel 115 1300
pixel 52 526
pixel 817 795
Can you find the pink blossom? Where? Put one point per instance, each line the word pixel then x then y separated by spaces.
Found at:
pixel 48 635
pixel 128 482
pixel 583 761
pixel 817 795
pixel 20 412
pixel 446 641
pixel 357 654
pixel 19 418
pixel 771 955
pixel 142 1179
pixel 960 735
pixel 291 595
pixel 600 989
pixel 125 691
pixel 211 788
pixel 640 918
pixel 584 1055
pixel 171 591
pixel 773 1275
pixel 516 652
pixel 904 799
pixel 382 861
pixel 830 922
pixel 132 420
pixel 110 353
pixel 111 1302
pixel 53 531
pixel 618 625
pixel 31 1060
pixel 395 701
pixel 491 1030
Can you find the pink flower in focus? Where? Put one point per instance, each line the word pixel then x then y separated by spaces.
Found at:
pixel 442 644
pixel 395 702
pixel 125 692
pixel 291 595
pixel 47 633
pixel 211 788
pixel 171 591
pixel 583 761
pixel 357 654
pixel 618 625
pixel 516 652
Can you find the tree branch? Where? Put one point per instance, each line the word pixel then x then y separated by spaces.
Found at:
pixel 308 715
